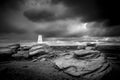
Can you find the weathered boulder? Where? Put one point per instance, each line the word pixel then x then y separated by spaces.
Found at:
pixel 6 51
pixel 21 54
pixel 82 63
pixel 24 48
pixel 39 49
pixel 10 49
pixel 14 46
pixel 86 54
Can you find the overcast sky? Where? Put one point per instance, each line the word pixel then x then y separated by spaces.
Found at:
pixel 25 19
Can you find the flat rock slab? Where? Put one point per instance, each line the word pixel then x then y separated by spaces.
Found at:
pixel 89 68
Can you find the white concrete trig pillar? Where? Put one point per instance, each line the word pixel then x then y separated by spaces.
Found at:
pixel 39 39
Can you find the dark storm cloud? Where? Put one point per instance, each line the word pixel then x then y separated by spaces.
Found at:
pixel 50 33
pixel 96 10
pixel 5 7
pixel 48 11
pixel 11 4
pixel 86 9
pixel 113 31
pixel 44 16
pixel 91 10
pixel 7 28
pixel 39 16
pixel 54 29
pixel 110 10
pixel 36 16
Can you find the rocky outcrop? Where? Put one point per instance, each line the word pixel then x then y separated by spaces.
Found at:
pixel 10 49
pixel 87 64
pixel 18 51
pixel 5 51
pixel 21 54
pixel 14 46
pixel 39 49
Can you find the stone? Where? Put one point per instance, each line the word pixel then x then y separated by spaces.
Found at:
pixel 86 54
pixel 39 48
pixel 24 48
pixel 34 52
pixel 21 54
pixel 14 46
pixel 6 51
pixel 85 66
pixel 10 49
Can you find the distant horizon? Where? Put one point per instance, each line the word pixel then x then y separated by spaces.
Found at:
pixel 83 39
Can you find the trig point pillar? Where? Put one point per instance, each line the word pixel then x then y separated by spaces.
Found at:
pixel 39 39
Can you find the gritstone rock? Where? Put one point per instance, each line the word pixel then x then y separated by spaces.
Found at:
pixel 87 64
pixel 10 49
pixel 6 51
pixel 21 54
pixel 14 46
pixel 39 49
pixel 24 48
